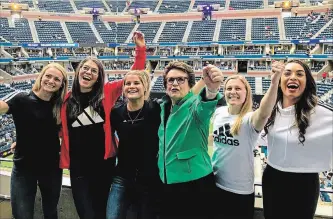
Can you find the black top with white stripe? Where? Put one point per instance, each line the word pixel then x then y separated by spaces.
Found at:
pixel 86 138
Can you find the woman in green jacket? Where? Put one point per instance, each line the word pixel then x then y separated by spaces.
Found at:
pixel 183 160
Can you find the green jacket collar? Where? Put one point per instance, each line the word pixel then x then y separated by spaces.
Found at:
pixel 166 99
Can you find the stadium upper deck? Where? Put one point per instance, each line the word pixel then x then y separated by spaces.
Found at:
pixel 49 21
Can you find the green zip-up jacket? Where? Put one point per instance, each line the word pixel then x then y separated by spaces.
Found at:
pixel 183 140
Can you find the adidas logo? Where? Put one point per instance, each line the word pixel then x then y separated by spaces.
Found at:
pixel 87 117
pixel 223 135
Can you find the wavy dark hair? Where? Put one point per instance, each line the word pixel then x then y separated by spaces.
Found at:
pixel 97 93
pixel 303 107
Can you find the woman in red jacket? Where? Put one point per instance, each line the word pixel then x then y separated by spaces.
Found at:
pixel 87 147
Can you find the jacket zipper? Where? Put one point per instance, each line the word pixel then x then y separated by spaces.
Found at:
pixel 165 125
pixel 165 177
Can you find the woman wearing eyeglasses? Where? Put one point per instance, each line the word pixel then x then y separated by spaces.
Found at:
pixel 87 146
pixel 183 160
pixel 136 123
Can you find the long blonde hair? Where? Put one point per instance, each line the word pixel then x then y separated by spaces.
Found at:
pixel 247 105
pixel 58 97
pixel 144 78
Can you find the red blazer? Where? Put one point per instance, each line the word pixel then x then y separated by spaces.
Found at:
pixel 112 91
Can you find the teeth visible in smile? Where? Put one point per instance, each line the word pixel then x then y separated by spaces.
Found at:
pixel 86 78
pixel 292 86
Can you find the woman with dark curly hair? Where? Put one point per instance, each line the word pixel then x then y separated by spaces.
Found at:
pixel 300 138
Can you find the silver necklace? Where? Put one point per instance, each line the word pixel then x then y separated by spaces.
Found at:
pixel 135 119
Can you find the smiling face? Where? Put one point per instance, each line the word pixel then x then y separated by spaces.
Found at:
pixel 177 85
pixel 235 92
pixel 88 75
pixel 51 80
pixel 293 82
pixel 133 88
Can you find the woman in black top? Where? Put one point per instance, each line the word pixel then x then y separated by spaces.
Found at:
pixel 36 160
pixel 136 124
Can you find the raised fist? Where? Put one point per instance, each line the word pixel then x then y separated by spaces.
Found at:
pixel 277 70
pixel 139 39
pixel 213 77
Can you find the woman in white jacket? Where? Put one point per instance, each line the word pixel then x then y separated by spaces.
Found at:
pixel 300 136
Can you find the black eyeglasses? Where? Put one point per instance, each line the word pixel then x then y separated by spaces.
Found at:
pixel 180 80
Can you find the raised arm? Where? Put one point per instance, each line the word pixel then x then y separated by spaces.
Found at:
pixel 3 107
pixel 261 115
pixel 140 51
pixel 209 96
pixel 201 83
pixel 139 64
pixel 198 86
pixel 213 78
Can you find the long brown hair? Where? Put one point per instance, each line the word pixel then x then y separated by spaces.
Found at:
pixel 58 96
pixel 303 107
pixel 247 105
pixel 73 106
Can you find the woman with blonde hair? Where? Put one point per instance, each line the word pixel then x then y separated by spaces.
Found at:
pixel 37 113
pixel 136 123
pixel 235 131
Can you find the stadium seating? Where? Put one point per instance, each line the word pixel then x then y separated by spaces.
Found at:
pixel 81 32
pixel 158 86
pixel 302 27
pixel 115 78
pixel 89 4
pixel 232 30
pixel 170 6
pixel 202 31
pixel 50 31
pixel 22 85
pixel 315 2
pixel 209 2
pixel 118 32
pixel 7 128
pixel 115 5
pixel 20 33
pixel 173 31
pixel 29 2
pixel 149 30
pixel 323 88
pixel 271 2
pixel 327 33
pixel 4 90
pixel 243 4
pixel 62 6
pixel 265 29
pixel 252 82
pixel 265 84
pixel 144 4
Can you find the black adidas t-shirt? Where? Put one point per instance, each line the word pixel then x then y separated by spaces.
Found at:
pixel 86 138
pixel 37 141
pixel 138 142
